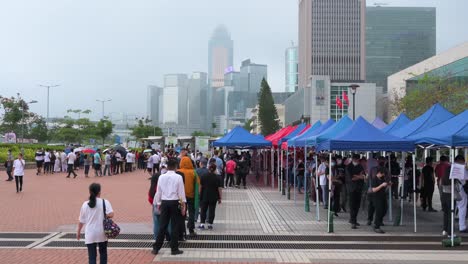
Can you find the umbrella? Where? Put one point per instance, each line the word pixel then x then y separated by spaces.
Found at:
pixel 78 149
pixel 105 151
pixel 120 150
pixel 88 151
pixel 147 150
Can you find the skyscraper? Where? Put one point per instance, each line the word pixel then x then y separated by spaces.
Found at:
pixel 291 75
pixel 220 56
pixel 396 38
pixel 154 113
pixel 197 85
pixel 174 105
pixel 331 40
pixel 251 76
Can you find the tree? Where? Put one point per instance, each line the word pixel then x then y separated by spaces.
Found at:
pixel 104 129
pixel 248 125
pixel 267 114
pixel 39 130
pixel 199 134
pixel 142 130
pixel 428 90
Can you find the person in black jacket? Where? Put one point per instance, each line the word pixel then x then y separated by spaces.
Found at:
pixel 211 193
pixel 242 171
pixel 354 184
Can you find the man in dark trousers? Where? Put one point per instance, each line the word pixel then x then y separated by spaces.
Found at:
pixel 427 187
pixel 379 185
pixel 370 193
pixel 354 184
pixel 170 200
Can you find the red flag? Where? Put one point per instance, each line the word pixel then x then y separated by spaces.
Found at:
pixel 345 97
pixel 338 102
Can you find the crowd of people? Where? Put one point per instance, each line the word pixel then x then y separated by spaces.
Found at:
pixel 359 181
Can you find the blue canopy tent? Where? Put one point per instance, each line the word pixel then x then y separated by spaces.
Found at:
pixel 399 122
pixel 379 123
pixel 238 137
pixel 363 136
pixel 344 123
pixel 434 116
pixel 300 141
pixel 448 133
pixel 291 140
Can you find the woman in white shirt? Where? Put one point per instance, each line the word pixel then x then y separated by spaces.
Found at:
pixel 92 215
pixel 18 171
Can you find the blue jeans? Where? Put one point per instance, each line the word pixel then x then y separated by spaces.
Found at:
pixel 92 252
pixel 156 226
pixel 324 194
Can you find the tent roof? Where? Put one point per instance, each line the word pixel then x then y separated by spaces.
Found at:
pixel 434 116
pixel 299 141
pixel 238 137
pixel 396 124
pixel 295 132
pixel 290 139
pixel 363 136
pixel 276 133
pixel 336 129
pixel 277 137
pixel 453 132
pixel 379 123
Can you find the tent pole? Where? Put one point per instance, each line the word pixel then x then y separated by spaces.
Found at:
pixel 306 197
pixel 278 169
pixel 265 175
pixel 317 198
pixel 295 175
pixel 281 168
pixel 330 184
pixel 403 155
pixel 414 190
pixel 287 174
pixel 452 207
pixel 390 209
pixel 272 168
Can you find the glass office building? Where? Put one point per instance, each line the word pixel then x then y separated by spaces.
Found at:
pixel 291 70
pixel 396 38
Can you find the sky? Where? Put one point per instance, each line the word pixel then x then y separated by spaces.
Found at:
pixel 114 49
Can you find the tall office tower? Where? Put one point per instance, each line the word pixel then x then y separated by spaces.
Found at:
pixel 332 40
pixel 197 85
pixel 220 56
pixel 396 38
pixel 251 75
pixel 291 75
pixel 174 105
pixel 154 104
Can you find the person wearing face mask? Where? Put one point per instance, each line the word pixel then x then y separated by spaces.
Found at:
pixel 371 207
pixel 354 184
pixel 378 186
pixel 338 181
pixel 323 174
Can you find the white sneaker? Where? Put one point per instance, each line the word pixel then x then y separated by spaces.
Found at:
pixel 314 203
pixel 444 233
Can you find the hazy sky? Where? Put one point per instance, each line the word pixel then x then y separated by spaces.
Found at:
pixel 115 48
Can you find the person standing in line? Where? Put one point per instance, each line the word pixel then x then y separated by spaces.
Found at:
pixel 322 173
pixel 9 165
pixel 170 201
pixel 63 160
pixel 150 165
pixel 71 158
pixel 242 171
pixel 92 216
pixel 440 172
pixel 379 185
pixel 39 156
pixel 87 164
pixel 337 180
pixel 47 162
pixel 97 163
pixel 156 162
pixel 395 172
pixel 354 183
pixel 231 166
pixel 370 194
pixel 300 175
pixel 340 170
pixel 186 167
pixel 57 162
pixel 107 164
pixel 446 198
pixel 119 162
pixel 211 193
pixel 427 185
pixel 219 164
pixel 18 171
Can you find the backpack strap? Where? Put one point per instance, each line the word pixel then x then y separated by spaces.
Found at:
pixel 104 208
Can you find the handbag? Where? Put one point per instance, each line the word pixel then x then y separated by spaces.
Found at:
pixel 111 229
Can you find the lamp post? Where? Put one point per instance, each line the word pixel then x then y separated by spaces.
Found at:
pixel 48 88
pixel 353 91
pixel 103 102
pixel 22 121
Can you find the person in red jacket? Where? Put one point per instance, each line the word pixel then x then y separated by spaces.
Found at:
pixel 231 166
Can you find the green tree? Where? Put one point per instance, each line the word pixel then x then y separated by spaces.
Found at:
pixel 143 130
pixel 104 129
pixel 267 114
pixel 199 134
pixel 213 127
pixel 39 130
pixel 450 93
pixel 248 125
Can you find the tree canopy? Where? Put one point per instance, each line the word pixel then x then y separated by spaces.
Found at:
pixel 144 130
pixel 267 114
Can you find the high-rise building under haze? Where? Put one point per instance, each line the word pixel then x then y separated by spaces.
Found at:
pixel 332 40
pixel 154 97
pixel 396 38
pixel 220 56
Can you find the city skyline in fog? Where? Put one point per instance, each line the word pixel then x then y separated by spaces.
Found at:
pixel 115 49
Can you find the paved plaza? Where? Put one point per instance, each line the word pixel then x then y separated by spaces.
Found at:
pixel 256 225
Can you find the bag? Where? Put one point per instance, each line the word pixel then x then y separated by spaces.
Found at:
pixel 111 229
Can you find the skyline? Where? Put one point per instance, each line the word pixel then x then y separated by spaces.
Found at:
pixel 82 47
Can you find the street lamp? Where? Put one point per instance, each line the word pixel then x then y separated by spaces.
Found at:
pixel 48 88
pixel 22 125
pixel 103 102
pixel 353 91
